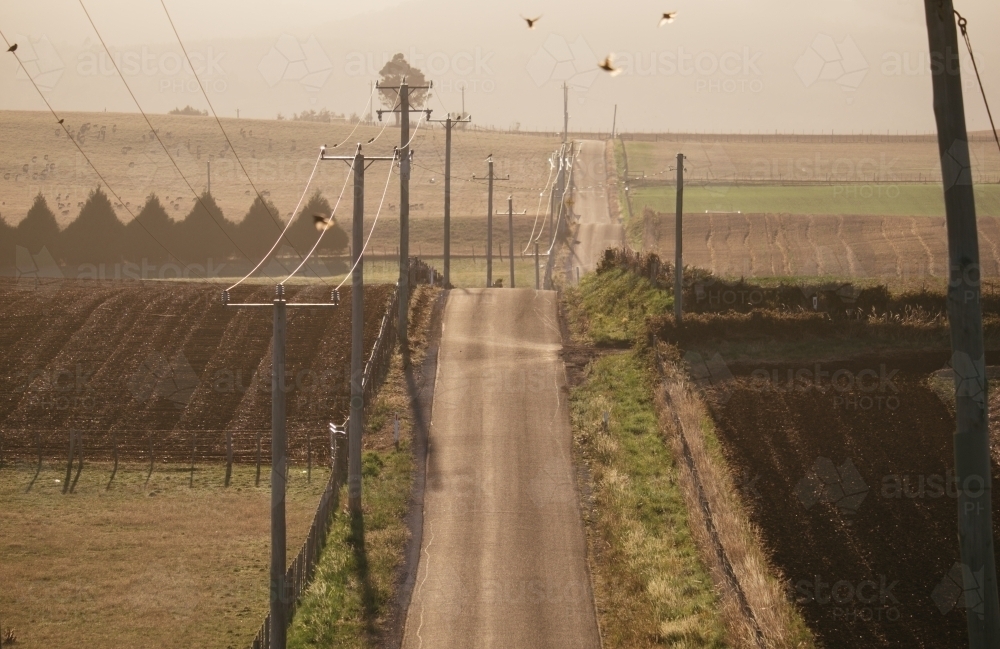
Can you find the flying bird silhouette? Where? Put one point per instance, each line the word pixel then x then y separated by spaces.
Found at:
pixel 12 47
pixel 531 21
pixel 668 17
pixel 608 66
pixel 323 222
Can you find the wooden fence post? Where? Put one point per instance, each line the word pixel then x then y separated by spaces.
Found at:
pixel 151 456
pixel 257 480
pixel 69 462
pixel 79 451
pixel 229 456
pixel 38 442
pixel 114 453
pixel 194 436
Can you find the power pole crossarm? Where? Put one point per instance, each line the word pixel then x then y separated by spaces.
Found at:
pixel 972 438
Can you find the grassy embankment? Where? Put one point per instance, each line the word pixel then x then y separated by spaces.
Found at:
pixel 656 579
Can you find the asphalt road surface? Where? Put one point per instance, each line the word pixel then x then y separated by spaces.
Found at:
pixel 502 561
pixel 596 231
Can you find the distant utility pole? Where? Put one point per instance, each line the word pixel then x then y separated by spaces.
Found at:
pixel 404 198
pixel 209 176
pixel 489 219
pixel 614 123
pixel 565 88
pixel 448 123
pixel 679 242
pixel 355 422
pixel 558 194
pixel 510 227
pixel 279 589
pixel 972 441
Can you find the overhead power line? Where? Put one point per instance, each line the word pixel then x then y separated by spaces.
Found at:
pixel 164 146
pixel 221 128
pixel 62 124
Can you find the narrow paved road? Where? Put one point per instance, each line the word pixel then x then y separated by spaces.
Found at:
pixel 596 231
pixel 502 562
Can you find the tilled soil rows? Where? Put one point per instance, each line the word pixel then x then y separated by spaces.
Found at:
pixel 847 469
pixel 152 369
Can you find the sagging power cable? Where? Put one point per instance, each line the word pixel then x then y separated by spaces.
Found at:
pixel 963 25
pixel 62 123
pixel 224 134
pixel 157 136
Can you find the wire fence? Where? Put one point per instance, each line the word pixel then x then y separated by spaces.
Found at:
pixel 303 567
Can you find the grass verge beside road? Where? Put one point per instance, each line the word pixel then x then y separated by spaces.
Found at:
pixel 660 566
pixel 349 603
pixel 651 587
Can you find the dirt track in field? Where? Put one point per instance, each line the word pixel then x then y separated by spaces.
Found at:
pixel 167 362
pixel 862 562
pixel 769 245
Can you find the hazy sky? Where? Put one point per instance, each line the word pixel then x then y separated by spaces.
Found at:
pixel 724 65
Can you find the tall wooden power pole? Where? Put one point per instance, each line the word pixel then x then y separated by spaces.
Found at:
pixel 489 218
pixel 972 448
pixel 448 124
pixel 355 423
pixel 679 243
pixel 404 198
pixel 565 88
pixel 510 228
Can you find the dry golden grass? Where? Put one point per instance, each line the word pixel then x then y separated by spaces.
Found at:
pixel 279 157
pixel 743 158
pixel 157 565
pixel 780 624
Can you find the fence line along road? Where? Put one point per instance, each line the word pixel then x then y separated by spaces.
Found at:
pixel 302 568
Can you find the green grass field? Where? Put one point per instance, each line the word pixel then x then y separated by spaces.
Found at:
pixel 872 199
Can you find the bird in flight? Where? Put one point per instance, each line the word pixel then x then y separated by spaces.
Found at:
pixel 531 21
pixel 608 65
pixel 324 222
pixel 12 47
pixel 668 17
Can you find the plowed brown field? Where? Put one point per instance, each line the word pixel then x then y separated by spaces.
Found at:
pixel 867 554
pixel 131 363
pixel 778 245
